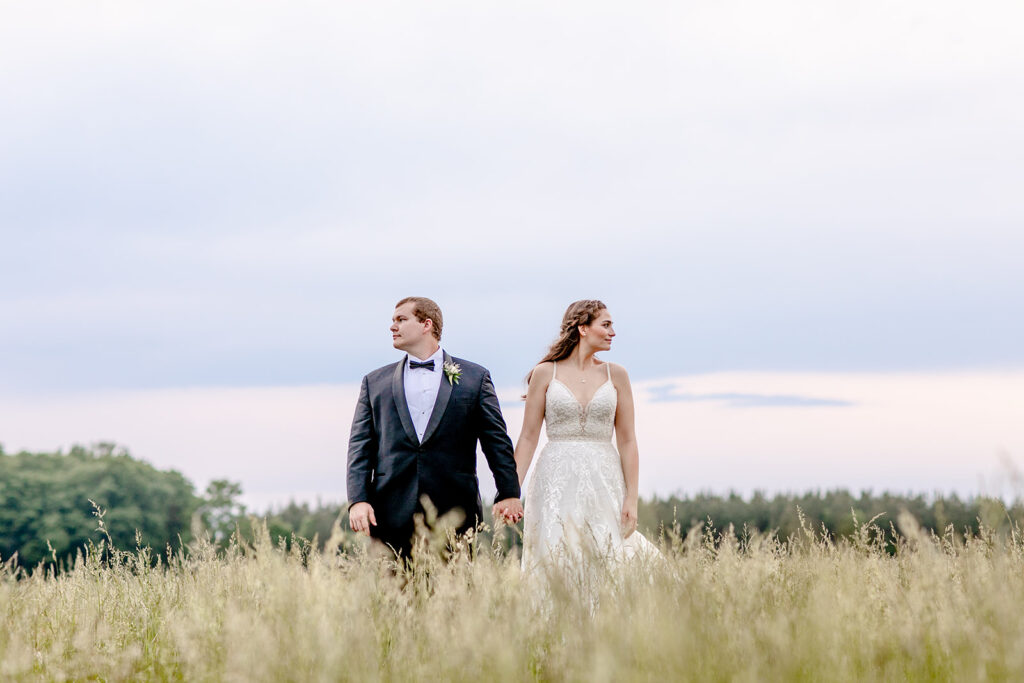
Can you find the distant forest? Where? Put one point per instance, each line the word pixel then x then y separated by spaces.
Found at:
pixel 50 502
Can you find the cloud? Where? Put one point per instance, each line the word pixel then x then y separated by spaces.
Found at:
pixel 664 393
pixel 669 393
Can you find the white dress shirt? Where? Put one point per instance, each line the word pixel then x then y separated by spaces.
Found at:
pixel 421 386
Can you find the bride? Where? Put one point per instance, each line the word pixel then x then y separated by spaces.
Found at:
pixel 582 495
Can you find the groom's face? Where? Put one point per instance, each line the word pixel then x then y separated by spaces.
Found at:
pixel 406 330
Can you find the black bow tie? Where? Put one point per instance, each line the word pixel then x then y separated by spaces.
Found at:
pixel 428 364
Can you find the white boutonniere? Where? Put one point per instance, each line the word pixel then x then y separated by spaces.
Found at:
pixel 452 371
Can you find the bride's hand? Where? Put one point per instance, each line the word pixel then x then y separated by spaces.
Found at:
pixel 629 516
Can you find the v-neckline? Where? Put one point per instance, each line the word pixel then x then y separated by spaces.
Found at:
pixel 576 398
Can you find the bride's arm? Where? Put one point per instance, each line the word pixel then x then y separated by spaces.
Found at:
pixel 629 453
pixel 533 417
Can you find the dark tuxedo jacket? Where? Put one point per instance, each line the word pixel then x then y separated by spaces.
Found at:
pixel 390 468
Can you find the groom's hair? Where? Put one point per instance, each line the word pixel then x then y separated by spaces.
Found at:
pixel 424 308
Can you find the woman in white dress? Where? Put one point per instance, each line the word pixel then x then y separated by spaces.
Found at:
pixel 582 495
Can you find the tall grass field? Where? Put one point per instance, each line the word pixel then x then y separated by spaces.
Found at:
pixel 715 606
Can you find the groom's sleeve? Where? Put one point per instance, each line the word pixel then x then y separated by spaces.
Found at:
pixel 362 449
pixel 496 445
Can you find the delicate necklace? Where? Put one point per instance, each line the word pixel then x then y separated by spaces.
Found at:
pixel 583 379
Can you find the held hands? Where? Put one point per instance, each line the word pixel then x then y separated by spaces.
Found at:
pixel 629 517
pixel 360 517
pixel 509 510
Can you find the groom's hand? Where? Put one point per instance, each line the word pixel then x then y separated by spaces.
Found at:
pixel 510 510
pixel 360 517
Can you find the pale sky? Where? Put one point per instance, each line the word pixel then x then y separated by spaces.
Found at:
pixel 219 203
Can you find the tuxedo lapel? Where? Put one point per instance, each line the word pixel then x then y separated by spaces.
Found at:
pixel 401 404
pixel 444 394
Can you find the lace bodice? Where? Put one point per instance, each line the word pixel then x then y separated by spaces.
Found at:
pixel 568 420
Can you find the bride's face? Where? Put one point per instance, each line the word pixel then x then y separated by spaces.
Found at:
pixel 599 332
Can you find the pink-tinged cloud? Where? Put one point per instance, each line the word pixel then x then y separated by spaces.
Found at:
pixel 901 432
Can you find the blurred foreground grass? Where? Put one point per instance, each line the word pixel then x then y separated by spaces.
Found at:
pixel 871 607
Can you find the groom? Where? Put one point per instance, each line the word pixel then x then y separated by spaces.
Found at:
pixel 415 433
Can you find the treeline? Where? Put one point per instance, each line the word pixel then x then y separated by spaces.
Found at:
pixel 838 511
pixel 49 506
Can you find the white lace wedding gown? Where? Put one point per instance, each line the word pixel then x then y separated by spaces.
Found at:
pixel 573 501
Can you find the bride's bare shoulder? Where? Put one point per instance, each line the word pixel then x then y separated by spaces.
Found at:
pixel 542 372
pixel 619 374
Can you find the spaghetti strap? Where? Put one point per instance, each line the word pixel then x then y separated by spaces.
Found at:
pixel 554 369
pixel 608 367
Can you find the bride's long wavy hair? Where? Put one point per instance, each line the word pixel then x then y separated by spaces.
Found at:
pixel 579 313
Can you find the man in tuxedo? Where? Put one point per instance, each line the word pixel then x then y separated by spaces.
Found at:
pixel 415 433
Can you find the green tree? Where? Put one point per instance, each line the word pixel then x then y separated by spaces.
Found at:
pixel 45 502
pixel 221 510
